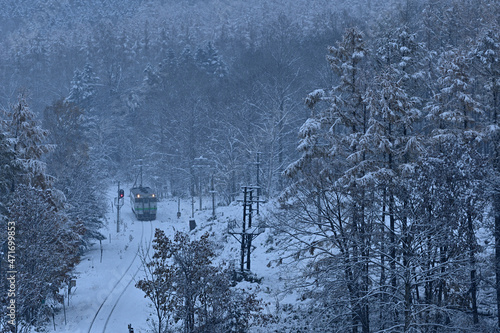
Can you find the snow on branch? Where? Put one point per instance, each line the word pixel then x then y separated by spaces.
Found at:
pixel 314 97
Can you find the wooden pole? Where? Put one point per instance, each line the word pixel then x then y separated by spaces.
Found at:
pixel 118 209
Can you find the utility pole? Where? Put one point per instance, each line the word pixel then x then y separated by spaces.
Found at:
pixel 243 231
pixel 141 173
pixel 199 189
pixel 192 201
pixel 118 209
pixel 249 235
pixel 212 191
pixel 199 164
pixel 178 207
pixel 192 222
pixel 251 195
pixel 258 182
pixel 248 232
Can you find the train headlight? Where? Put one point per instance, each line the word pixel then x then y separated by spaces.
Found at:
pixel 138 195
pixel 153 195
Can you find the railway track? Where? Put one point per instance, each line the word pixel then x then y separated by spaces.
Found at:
pixel 111 301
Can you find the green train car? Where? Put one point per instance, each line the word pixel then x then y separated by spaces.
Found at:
pixel 144 203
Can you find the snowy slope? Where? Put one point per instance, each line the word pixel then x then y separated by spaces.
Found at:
pixel 105 298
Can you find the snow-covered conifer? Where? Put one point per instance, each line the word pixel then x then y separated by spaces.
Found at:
pixel 454 106
pixel 486 56
pixel 75 166
pixel 332 176
pixel 29 144
pixel 83 87
pixel 47 248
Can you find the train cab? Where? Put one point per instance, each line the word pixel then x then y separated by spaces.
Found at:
pixel 144 203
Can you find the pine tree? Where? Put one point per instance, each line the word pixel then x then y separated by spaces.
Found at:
pixel 47 249
pixel 8 169
pixel 47 241
pixel 29 145
pixel 335 153
pixel 454 106
pixel 74 167
pixel 487 63
pixel 83 87
pixel 391 132
pixel 214 64
pixel 455 114
pixel 394 105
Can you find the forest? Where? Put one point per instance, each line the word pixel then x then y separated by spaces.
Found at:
pixel 376 124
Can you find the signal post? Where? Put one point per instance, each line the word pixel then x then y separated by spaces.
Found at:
pixel 118 203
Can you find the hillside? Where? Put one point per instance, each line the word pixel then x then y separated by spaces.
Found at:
pixel 105 298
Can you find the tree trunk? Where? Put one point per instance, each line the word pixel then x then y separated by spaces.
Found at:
pixel 407 274
pixel 472 263
pixel 382 281
pixel 392 240
pixel 496 203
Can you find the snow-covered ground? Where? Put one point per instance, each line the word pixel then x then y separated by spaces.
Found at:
pixel 105 298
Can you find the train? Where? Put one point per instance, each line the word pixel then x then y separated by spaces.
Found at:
pixel 143 201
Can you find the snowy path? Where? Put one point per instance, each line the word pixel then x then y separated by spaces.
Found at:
pixel 105 299
pixel 105 311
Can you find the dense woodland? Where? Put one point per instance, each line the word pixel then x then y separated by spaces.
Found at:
pixel 377 124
